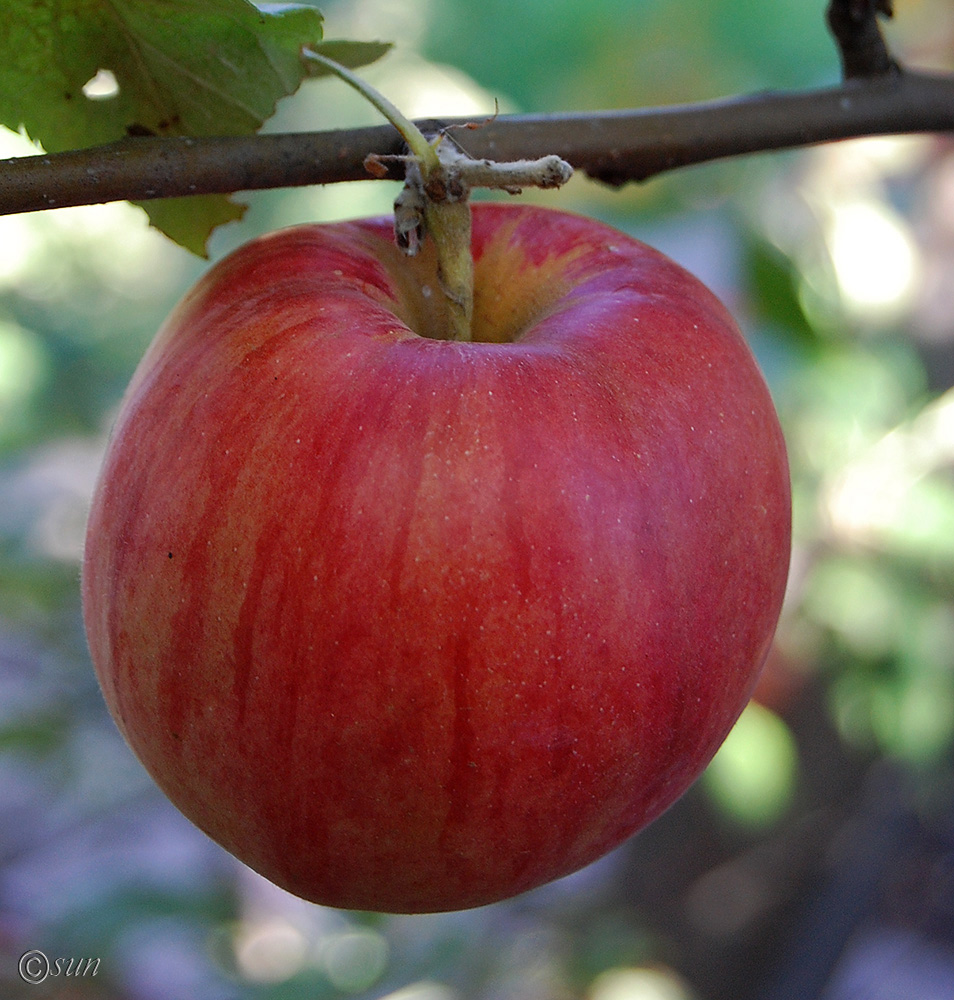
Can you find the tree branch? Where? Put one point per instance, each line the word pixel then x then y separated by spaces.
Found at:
pixel 611 146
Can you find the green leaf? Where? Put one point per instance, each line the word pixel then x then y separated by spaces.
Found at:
pixel 350 54
pixel 190 221
pixel 773 291
pixel 183 67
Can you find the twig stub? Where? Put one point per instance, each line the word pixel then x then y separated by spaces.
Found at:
pixel 854 24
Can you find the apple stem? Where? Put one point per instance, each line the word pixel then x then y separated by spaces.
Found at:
pixel 427 206
pixel 411 134
pixel 438 181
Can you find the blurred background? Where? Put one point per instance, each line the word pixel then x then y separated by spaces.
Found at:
pixel 815 858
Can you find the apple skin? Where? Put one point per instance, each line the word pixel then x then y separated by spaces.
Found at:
pixel 413 625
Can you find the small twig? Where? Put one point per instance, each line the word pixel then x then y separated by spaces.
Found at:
pixel 462 173
pixel 854 23
pixel 511 175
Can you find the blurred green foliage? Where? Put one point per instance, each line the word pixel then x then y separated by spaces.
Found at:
pixel 565 55
pixel 837 263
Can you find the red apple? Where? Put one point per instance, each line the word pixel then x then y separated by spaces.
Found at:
pixel 412 625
